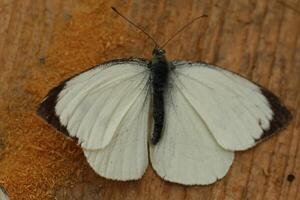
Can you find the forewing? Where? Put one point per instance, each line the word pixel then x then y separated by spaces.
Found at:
pixel 126 157
pixel 91 105
pixel 187 152
pixel 238 112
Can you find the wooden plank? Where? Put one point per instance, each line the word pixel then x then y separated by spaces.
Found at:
pixel 43 42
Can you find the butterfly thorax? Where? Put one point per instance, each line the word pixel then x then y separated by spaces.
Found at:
pixel 160 68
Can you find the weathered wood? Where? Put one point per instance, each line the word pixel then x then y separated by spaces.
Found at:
pixel 43 42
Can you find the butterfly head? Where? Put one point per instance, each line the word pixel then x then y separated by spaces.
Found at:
pixel 158 52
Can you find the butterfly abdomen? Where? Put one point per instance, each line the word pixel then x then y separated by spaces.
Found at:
pixel 159 76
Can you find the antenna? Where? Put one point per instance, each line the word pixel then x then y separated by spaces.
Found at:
pixel 180 30
pixel 128 20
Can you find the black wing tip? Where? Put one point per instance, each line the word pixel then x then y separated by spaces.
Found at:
pixel 281 118
pixel 46 109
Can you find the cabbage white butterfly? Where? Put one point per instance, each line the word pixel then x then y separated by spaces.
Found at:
pixel 201 115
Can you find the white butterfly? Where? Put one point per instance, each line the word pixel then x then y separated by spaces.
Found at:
pixel 202 114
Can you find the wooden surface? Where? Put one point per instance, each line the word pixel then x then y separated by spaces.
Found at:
pixel 45 41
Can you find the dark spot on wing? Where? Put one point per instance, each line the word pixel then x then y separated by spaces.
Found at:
pixel 259 122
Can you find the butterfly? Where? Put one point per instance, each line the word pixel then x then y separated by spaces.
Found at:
pixel 199 115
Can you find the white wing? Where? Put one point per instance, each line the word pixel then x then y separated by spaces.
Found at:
pixel 236 111
pixel 126 157
pixel 187 152
pixel 92 105
pixel 3 194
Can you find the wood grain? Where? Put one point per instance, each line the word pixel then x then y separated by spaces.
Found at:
pixel 45 41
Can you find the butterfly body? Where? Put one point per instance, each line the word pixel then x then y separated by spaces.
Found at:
pixel 160 69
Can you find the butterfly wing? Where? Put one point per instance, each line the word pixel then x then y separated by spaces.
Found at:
pixel 126 157
pixel 94 105
pixel 106 108
pixel 210 112
pixel 187 152
pixel 238 112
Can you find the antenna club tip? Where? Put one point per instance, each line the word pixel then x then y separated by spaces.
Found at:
pixel 113 8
